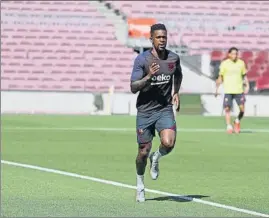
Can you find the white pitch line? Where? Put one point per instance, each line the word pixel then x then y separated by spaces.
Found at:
pixel 134 187
pixel 122 129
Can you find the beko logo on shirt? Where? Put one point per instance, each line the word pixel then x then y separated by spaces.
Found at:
pixel 160 79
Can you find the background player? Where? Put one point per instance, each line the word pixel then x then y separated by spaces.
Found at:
pixel 233 75
pixel 153 74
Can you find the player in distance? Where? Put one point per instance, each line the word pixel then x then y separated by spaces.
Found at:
pixel 154 74
pixel 233 76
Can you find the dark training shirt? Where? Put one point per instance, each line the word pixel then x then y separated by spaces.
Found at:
pixel 158 94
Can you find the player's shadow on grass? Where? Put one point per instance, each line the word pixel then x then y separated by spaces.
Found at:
pixel 183 198
pixel 247 131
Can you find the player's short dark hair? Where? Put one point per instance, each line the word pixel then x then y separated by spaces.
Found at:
pixel 157 26
pixel 232 49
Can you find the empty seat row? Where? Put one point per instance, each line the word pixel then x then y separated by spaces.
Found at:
pixel 44 56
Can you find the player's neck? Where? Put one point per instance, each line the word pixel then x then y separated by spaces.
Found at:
pixel 234 60
pixel 158 54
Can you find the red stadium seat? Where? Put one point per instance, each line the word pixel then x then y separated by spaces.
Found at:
pixel 246 55
pixel 254 73
pixel 266 73
pixel 216 55
pixel 259 60
pixel 263 83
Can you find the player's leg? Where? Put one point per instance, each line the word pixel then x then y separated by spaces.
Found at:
pixel 144 139
pixel 227 105
pixel 141 163
pixel 166 126
pixel 240 100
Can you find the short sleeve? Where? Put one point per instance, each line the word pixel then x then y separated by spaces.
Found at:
pixel 138 69
pixel 222 69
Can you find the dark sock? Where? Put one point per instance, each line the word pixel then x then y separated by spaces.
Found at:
pixel 240 115
pixel 165 150
pixel 141 163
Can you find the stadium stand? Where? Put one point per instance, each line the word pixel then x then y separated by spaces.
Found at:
pixel 62 46
pixel 217 25
pixel 71 46
pixel 214 24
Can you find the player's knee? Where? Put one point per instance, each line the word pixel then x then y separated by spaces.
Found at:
pixel 168 142
pixel 227 109
pixel 144 149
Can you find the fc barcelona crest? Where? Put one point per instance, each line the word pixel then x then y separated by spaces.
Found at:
pixel 171 66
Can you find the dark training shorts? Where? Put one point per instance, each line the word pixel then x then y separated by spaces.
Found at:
pixel 228 100
pixel 146 124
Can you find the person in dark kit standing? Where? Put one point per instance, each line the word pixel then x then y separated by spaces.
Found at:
pixel 157 76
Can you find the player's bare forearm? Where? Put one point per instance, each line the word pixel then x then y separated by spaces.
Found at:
pixel 177 81
pixel 138 85
pixel 218 82
pixel 246 82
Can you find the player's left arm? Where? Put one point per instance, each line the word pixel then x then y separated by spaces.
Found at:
pixel 245 79
pixel 178 76
pixel 220 78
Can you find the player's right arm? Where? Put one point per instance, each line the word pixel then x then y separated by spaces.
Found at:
pixel 245 79
pixel 220 78
pixel 138 82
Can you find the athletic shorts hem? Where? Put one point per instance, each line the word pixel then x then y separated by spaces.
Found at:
pixel 228 99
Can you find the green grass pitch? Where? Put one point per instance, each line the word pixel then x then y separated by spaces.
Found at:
pixel 207 163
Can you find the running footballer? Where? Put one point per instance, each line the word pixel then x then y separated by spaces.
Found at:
pixel 155 73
